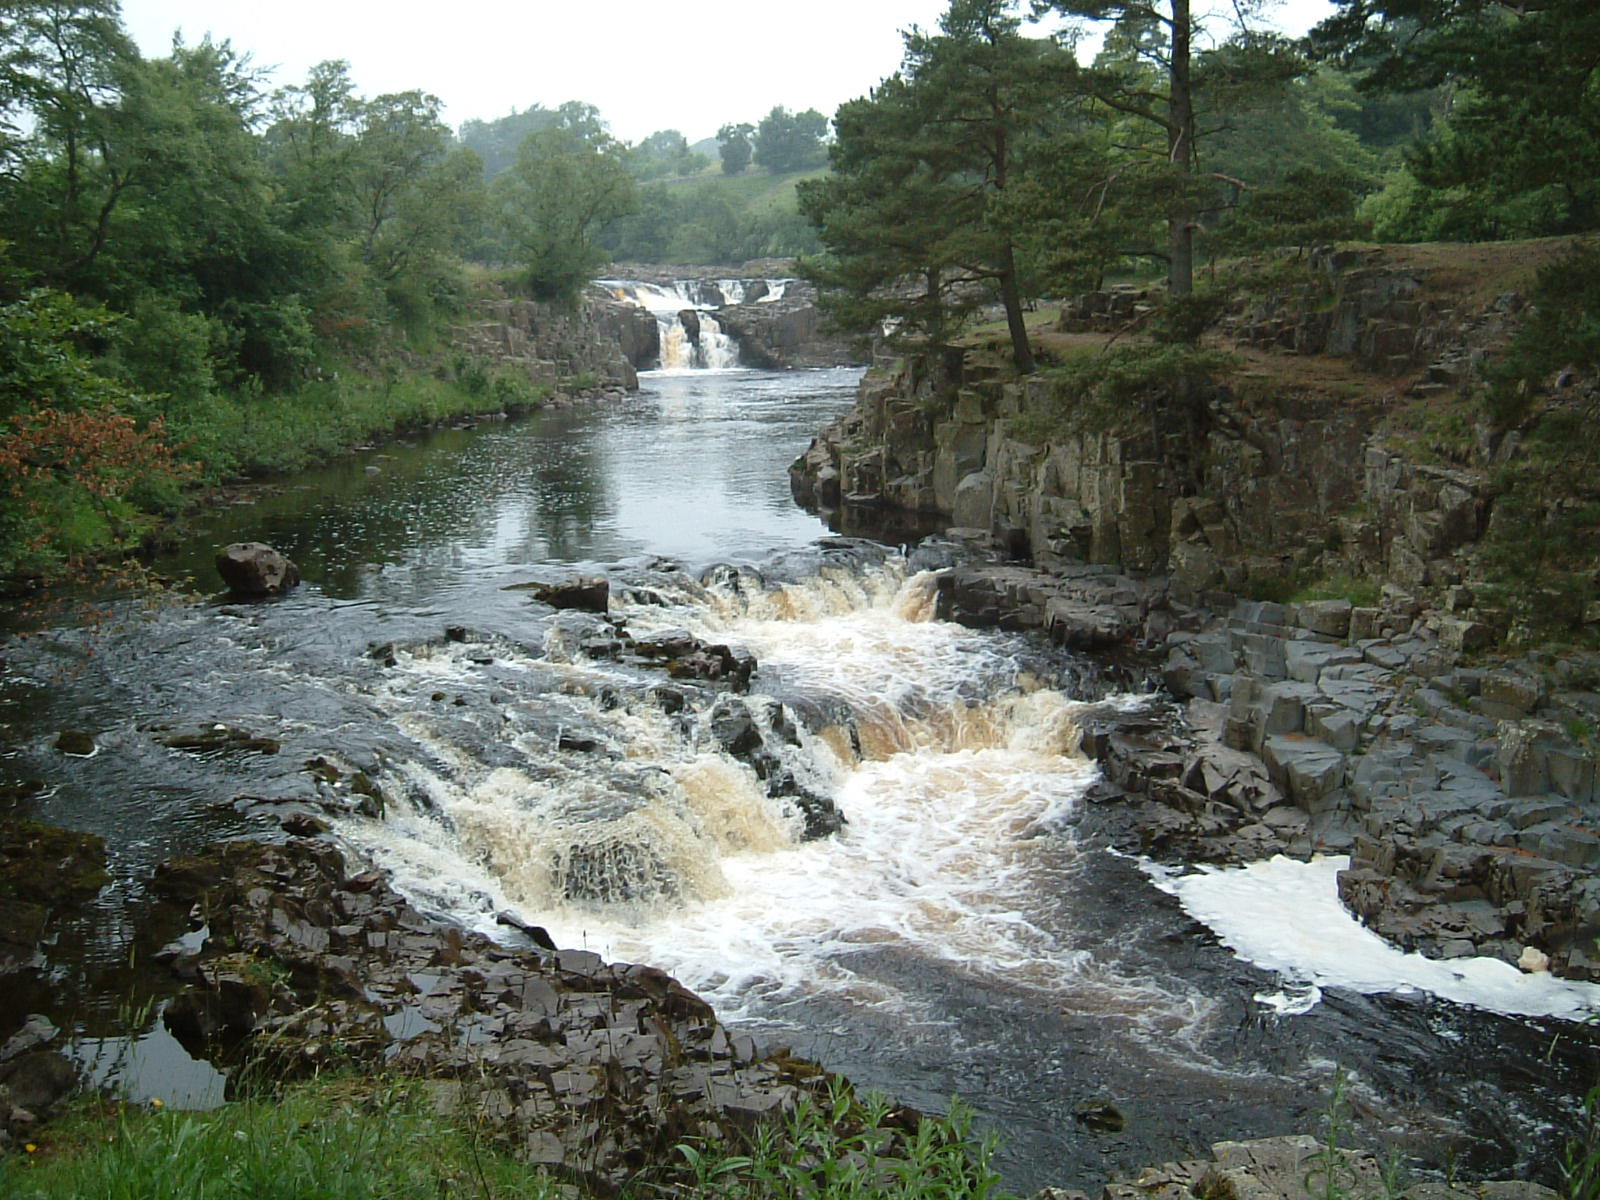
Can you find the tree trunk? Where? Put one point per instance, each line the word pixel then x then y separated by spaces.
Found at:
pixel 1011 296
pixel 1180 152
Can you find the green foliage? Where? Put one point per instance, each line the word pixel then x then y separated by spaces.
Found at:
pixel 73 451
pixel 1363 593
pixel 708 221
pixel 1184 319
pixel 333 1140
pixel 788 141
pixel 1562 332
pixel 845 1150
pixel 917 219
pixel 1124 389
pixel 1546 517
pixel 665 152
pixel 1306 207
pixel 735 147
pixel 1580 1165
pixel 560 191
pixel 1525 126
pixel 497 143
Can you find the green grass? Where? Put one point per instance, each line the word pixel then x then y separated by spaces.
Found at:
pixel 357 1138
pixel 1362 593
pixel 330 1140
pixel 263 434
pixel 840 1149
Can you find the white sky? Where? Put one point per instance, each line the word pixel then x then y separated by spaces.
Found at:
pixel 646 64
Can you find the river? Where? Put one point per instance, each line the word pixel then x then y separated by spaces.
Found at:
pixel 966 933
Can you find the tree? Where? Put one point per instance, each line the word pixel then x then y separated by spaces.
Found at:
pixel 1164 83
pixel 914 218
pixel 64 66
pixel 411 193
pixel 665 152
pixel 1527 115
pixel 71 450
pixel 733 144
pixel 552 202
pixel 788 141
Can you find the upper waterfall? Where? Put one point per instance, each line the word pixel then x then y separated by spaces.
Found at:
pixel 691 337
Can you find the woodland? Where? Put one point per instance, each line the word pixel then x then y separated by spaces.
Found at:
pixel 203 277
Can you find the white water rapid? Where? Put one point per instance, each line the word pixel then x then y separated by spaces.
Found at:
pixel 947 757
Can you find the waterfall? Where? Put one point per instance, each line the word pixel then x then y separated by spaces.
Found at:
pixel 691 337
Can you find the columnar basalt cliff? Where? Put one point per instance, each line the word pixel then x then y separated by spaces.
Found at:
pixel 601 340
pixel 1386 724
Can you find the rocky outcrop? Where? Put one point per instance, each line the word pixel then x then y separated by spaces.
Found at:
pixel 786 332
pixel 1464 797
pixel 554 347
pixel 593 1069
pixel 1264 493
pixel 1386 317
pixel 256 569
pixel 1260 481
pixel 35 1081
pixel 636 331
pixel 586 593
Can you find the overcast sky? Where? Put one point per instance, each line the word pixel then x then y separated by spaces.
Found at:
pixel 646 64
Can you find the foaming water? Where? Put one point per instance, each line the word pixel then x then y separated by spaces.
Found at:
pixel 946 756
pixel 1285 916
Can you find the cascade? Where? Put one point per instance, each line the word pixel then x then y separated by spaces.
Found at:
pixel 691 337
pixel 945 749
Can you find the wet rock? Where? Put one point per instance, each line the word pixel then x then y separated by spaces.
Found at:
pixel 1298 1167
pixel 821 816
pixel 48 866
pixel 537 934
pixel 583 593
pixel 33 1086
pixel 217 738
pixel 256 569
pixel 594 1068
pixel 76 742
pixel 37 1030
pixel 1102 1116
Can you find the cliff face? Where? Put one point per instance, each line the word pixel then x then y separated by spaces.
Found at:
pixel 600 338
pixel 1291 468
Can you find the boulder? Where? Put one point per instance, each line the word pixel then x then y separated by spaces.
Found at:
pixel 585 593
pixel 256 569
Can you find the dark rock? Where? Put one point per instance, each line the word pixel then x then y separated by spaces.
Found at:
pixel 583 593
pixel 537 934
pixel 38 1081
pixel 48 866
pixel 821 815
pixel 218 738
pixel 306 967
pixel 1102 1116
pixel 304 825
pixel 255 569
pixel 38 1030
pixel 76 742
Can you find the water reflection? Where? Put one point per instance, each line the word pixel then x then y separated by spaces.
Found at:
pixel 694 467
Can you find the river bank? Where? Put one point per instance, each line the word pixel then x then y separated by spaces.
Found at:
pixel 963 933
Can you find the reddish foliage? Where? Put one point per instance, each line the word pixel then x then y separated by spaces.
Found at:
pixel 98 451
